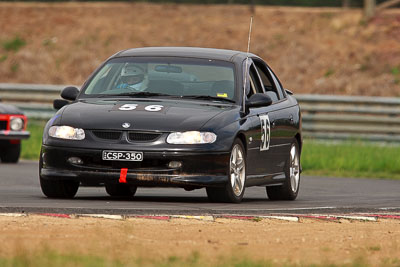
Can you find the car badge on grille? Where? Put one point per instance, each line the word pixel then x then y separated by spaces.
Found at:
pixel 126 125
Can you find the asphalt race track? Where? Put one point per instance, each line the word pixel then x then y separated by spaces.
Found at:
pixel 20 192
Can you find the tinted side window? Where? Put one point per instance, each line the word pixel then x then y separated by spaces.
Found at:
pixel 255 83
pixel 269 85
pixel 266 81
pixel 277 84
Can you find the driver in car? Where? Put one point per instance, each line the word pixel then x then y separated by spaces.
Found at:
pixel 134 77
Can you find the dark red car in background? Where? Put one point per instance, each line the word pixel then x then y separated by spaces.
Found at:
pixel 12 130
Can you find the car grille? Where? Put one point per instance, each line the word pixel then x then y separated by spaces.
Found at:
pixel 3 125
pixel 143 137
pixel 132 136
pixel 146 164
pixel 108 135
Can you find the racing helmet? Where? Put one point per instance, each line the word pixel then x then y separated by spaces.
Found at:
pixel 133 74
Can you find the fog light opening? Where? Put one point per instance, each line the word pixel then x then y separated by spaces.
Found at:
pixel 75 160
pixel 175 164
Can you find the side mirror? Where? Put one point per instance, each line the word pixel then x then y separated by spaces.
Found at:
pixel 59 103
pixel 289 92
pixel 259 100
pixel 70 93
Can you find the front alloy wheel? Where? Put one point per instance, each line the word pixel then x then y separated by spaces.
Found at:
pixel 237 170
pixel 234 189
pixel 294 169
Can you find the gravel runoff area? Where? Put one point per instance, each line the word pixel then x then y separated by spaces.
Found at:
pixel 375 239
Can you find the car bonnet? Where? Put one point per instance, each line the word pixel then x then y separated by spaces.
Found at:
pixel 141 114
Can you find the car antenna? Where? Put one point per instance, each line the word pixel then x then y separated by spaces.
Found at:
pixel 247 60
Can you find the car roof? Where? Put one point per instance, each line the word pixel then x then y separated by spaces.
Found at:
pixel 192 52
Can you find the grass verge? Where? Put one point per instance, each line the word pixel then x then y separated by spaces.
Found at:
pixel 53 258
pixel 342 159
pixel 351 159
pixel 31 147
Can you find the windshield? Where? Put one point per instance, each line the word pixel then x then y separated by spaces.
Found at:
pixel 164 77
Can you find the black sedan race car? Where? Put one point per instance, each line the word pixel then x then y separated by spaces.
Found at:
pixel 181 117
pixel 12 130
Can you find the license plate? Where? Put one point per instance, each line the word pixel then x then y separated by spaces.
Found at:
pixel 122 155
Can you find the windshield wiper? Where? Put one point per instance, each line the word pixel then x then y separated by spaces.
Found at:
pixel 208 97
pixel 141 94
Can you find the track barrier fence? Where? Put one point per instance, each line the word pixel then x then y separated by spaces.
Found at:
pixel 324 116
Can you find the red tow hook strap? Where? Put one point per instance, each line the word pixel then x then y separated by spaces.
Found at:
pixel 122 175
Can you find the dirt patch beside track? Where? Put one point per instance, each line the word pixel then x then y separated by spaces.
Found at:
pixel 307 241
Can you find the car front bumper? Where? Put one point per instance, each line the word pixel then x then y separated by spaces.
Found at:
pixel 13 135
pixel 199 169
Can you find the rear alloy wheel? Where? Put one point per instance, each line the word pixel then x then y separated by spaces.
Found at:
pixel 290 189
pixel 59 188
pixel 120 190
pixel 10 153
pixel 234 189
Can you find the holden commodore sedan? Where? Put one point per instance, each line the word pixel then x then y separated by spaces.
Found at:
pixel 179 117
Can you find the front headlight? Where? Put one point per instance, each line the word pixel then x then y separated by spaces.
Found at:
pixel 16 124
pixel 191 137
pixel 67 132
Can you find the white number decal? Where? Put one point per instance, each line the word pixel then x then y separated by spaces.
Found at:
pixel 153 108
pixel 266 132
pixel 128 107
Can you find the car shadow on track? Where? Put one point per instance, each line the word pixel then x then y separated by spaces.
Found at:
pixel 164 199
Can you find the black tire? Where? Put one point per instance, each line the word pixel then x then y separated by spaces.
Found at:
pixel 227 193
pixel 216 194
pixel 287 191
pixel 120 190
pixel 10 153
pixel 59 188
